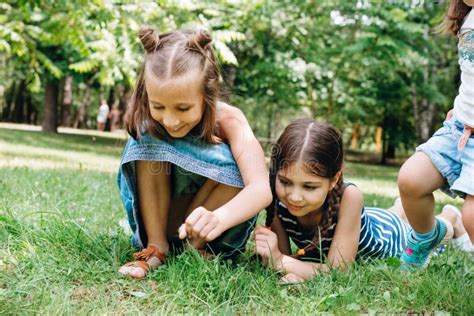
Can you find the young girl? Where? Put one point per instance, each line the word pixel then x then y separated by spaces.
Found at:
pixel 323 215
pixel 178 176
pixel 446 160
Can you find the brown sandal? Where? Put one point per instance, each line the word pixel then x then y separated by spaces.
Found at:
pixel 147 259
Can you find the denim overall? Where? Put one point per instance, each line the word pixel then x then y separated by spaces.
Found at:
pixel 193 161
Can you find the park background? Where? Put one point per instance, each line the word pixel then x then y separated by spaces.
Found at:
pixel 377 70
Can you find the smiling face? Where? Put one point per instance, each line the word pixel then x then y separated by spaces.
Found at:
pixel 177 103
pixel 302 192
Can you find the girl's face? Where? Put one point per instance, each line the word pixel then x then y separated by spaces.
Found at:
pixel 469 2
pixel 302 192
pixel 177 104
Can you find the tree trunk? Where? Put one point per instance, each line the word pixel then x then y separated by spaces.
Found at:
pixel 424 112
pixel 111 98
pixel 81 113
pixel 50 123
pixel 18 111
pixel 271 117
pixel 355 136
pixel 9 98
pixel 378 139
pixel 30 110
pixel 230 72
pixel 124 96
pixel 384 145
pixel 67 102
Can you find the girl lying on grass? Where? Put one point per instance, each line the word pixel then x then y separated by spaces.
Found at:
pixel 193 169
pixel 323 215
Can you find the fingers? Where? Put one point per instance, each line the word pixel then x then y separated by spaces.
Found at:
pixel 449 115
pixel 191 221
pixel 182 231
pixel 264 230
pixel 203 224
pixel 213 234
pixel 291 278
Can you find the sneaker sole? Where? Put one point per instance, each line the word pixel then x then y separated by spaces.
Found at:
pixel 444 241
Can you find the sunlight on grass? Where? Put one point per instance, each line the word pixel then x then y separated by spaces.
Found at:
pixel 61 246
pixel 15 155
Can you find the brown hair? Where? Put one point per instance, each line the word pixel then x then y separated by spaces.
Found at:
pixel 318 146
pixel 170 55
pixel 454 17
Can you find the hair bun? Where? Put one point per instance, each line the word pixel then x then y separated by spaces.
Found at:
pixel 199 40
pixel 150 40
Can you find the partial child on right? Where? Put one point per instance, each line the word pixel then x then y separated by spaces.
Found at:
pixel 446 160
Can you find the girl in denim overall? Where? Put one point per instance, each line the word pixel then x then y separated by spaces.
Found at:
pixel 446 160
pixel 192 170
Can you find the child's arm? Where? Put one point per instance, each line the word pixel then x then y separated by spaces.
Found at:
pixel 250 159
pixel 256 193
pixel 282 237
pixel 345 242
pixel 343 247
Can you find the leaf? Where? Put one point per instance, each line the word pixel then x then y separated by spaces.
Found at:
pixel 49 65
pixel 4 46
pixel 84 66
pixel 225 54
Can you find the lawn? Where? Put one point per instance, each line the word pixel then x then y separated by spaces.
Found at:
pixel 61 246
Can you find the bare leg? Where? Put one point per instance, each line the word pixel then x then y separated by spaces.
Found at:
pixel 397 208
pixel 448 213
pixel 468 216
pixel 417 181
pixel 153 185
pixel 453 216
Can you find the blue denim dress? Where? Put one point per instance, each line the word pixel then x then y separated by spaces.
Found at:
pixel 193 161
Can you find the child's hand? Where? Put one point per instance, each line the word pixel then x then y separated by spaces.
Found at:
pixel 266 245
pixel 449 115
pixel 201 223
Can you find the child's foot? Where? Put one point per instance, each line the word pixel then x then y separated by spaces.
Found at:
pixel 453 214
pixel 147 259
pixel 418 253
pixel 461 239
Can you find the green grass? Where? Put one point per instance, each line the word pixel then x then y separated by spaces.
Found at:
pixel 61 246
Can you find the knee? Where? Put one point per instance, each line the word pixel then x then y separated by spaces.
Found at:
pixel 408 182
pixel 449 212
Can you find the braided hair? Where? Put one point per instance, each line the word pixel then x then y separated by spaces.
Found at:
pixel 318 146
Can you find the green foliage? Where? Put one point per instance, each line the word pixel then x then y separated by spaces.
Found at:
pixel 347 63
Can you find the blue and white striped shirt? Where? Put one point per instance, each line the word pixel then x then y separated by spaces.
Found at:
pixel 382 233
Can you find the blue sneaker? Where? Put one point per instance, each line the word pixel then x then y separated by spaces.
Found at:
pixel 417 254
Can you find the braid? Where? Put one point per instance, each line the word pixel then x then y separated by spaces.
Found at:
pixel 274 166
pixel 329 216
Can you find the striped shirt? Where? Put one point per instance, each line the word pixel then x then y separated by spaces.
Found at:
pixel 382 233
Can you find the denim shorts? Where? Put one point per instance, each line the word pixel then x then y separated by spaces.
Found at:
pixel 193 162
pixel 457 167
